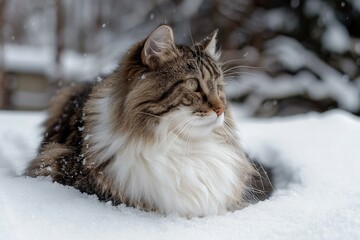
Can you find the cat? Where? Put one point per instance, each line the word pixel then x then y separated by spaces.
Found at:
pixel 156 134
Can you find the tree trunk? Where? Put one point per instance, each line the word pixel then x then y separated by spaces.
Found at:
pixel 59 45
pixel 4 90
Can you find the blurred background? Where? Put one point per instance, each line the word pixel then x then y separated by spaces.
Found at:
pixel 282 57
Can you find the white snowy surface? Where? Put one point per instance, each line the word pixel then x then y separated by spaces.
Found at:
pixel 316 158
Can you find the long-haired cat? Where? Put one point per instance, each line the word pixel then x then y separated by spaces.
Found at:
pixel 156 134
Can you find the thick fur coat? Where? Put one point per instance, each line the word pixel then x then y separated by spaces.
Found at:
pixel 156 134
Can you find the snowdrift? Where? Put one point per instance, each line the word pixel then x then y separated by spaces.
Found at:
pixel 316 158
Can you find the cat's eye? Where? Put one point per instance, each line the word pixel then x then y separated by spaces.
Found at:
pixel 192 84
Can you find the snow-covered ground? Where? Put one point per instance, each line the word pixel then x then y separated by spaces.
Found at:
pixel 317 166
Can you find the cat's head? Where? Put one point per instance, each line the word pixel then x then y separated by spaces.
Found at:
pixel 181 86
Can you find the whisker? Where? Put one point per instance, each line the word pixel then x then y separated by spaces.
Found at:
pixel 150 114
pixel 242 66
pixel 182 124
pixel 232 60
pixel 153 115
pixel 228 134
pixel 188 139
pixel 191 37
pixel 177 134
pixel 266 178
pixel 240 73
pixel 249 86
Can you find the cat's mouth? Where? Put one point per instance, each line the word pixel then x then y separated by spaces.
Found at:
pixel 209 120
pixel 187 122
pixel 203 125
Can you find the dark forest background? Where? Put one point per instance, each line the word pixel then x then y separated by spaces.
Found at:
pixel 282 57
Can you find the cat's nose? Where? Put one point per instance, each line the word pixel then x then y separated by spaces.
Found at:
pixel 219 110
pixel 216 105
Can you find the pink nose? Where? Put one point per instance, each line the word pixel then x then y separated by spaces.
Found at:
pixel 219 110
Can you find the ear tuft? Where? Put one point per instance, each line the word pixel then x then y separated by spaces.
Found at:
pixel 159 47
pixel 209 44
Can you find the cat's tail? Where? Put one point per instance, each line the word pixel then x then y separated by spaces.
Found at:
pixel 261 182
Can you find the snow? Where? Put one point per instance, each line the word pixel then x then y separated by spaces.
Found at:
pixel 336 37
pixel 74 66
pixel 316 160
pixel 356 4
pixel 294 56
pixel 38 60
pixel 279 19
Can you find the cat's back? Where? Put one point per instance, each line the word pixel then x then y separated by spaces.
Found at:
pixel 60 150
pixel 65 113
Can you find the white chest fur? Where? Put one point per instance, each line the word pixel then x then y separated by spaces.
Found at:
pixel 189 178
pixel 174 175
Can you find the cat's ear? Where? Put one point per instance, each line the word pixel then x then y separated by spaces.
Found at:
pixel 159 47
pixel 209 44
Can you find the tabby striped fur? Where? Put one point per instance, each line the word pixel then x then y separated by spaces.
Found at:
pixel 156 134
